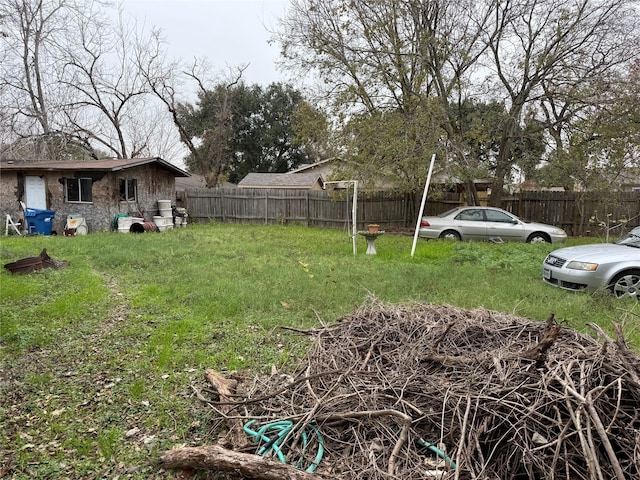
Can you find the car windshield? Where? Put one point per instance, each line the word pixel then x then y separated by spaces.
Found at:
pixel 631 240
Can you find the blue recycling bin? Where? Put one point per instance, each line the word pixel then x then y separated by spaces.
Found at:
pixel 39 221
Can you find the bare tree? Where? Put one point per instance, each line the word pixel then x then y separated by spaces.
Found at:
pixel 403 59
pixel 28 72
pixel 107 104
pixel 370 57
pixel 167 79
pixel 71 79
pixel 544 53
pixel 384 54
pixel 168 82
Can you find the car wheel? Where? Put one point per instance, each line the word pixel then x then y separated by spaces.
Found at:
pixel 626 284
pixel 450 235
pixel 538 238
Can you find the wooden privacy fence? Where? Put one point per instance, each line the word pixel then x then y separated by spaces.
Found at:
pixel 579 213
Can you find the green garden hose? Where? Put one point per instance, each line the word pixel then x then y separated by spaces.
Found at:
pixel 280 431
pixel 438 452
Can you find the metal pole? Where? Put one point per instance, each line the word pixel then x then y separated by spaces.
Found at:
pixel 354 208
pixel 424 200
pixel 355 220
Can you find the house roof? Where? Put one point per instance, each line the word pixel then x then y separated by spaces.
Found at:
pixel 105 165
pixel 197 181
pixel 281 180
pixel 311 166
pixel 443 177
pixel 194 181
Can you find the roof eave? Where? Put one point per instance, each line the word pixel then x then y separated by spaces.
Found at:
pixel 88 166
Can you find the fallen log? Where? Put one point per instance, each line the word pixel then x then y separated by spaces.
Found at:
pixel 216 458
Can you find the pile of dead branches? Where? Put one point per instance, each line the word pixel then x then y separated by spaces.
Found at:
pixel 427 392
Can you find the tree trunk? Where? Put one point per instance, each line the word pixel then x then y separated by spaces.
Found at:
pixel 495 199
pixel 472 193
pixel 217 458
pixel 504 161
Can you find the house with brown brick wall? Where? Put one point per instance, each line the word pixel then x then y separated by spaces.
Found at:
pixel 96 190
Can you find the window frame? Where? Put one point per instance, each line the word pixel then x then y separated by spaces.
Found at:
pixel 496 216
pixel 127 183
pixel 80 188
pixel 471 215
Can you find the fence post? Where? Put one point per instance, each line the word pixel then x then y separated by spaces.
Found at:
pixel 224 206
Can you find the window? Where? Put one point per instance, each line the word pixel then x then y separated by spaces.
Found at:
pixel 471 215
pixel 78 189
pixel 496 216
pixel 128 190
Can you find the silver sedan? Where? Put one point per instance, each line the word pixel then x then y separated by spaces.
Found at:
pixel 488 224
pixel 602 266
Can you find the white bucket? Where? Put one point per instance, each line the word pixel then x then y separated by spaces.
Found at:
pixel 164 204
pixel 166 212
pixel 163 223
pixel 124 222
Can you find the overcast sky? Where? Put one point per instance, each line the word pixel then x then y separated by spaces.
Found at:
pixel 229 33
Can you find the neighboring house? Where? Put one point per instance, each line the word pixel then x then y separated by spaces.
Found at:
pixel 454 184
pixel 97 190
pixel 323 167
pixel 299 181
pixel 629 181
pixel 327 167
pixel 625 181
pixel 307 174
pixel 193 181
pixel 196 181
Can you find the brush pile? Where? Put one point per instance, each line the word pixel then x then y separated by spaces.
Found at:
pixel 426 392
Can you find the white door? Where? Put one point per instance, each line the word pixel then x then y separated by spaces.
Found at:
pixel 35 192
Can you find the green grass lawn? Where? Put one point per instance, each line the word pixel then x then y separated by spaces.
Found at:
pixel 97 358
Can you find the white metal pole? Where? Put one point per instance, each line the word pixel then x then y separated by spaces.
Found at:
pixel 354 215
pixel 354 209
pixel 424 200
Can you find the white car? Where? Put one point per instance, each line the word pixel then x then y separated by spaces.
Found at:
pixel 488 224
pixel 602 266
